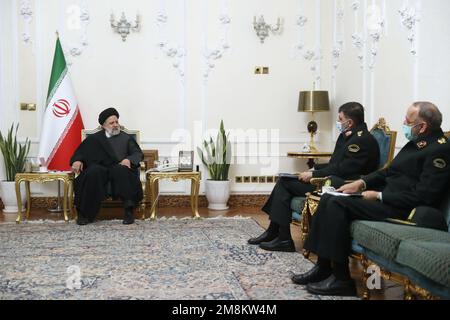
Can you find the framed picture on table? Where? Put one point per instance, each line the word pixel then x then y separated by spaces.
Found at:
pixel 186 161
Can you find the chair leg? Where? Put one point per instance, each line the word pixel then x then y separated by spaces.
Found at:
pixel 365 277
pixel 306 253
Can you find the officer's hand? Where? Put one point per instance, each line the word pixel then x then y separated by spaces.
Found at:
pixel 305 176
pixel 126 163
pixel 353 187
pixel 370 195
pixel 77 167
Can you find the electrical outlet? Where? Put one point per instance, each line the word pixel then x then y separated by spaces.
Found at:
pixel 258 70
pixel 254 179
pixel 246 179
pixel 269 179
pixel 265 70
pixel 238 179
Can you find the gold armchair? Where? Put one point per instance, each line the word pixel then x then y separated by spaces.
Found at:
pixel 148 162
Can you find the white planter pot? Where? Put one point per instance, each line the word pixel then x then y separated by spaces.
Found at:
pixel 8 195
pixel 217 193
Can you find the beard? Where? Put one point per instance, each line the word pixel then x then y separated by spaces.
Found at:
pixel 113 131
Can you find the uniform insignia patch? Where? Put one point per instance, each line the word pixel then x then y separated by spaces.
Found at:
pixel 354 148
pixel 442 140
pixel 360 133
pixel 439 163
pixel 421 144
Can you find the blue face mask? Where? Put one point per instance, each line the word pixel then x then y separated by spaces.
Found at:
pixel 340 126
pixel 407 130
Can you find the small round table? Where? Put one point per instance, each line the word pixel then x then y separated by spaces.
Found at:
pixel 310 156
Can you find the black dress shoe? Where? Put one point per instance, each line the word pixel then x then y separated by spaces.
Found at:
pixel 316 274
pixel 332 286
pixel 82 221
pixel 129 216
pixel 278 245
pixel 265 237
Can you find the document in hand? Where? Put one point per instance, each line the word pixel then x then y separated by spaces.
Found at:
pixel 333 192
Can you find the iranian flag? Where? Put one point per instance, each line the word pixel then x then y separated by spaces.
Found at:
pixel 62 123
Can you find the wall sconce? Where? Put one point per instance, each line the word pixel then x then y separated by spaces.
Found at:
pixel 262 28
pixel 123 27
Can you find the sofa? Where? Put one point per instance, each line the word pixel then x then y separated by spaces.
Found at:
pixel 417 258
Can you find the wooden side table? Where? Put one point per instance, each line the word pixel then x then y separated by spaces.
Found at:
pixel 41 177
pixel 310 156
pixel 151 188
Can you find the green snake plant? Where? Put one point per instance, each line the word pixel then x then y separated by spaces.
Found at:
pixel 216 156
pixel 14 153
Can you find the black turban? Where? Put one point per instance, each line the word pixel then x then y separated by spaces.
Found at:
pixel 105 114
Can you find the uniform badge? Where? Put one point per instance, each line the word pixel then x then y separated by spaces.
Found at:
pixel 360 133
pixel 439 163
pixel 421 144
pixel 354 148
pixel 442 140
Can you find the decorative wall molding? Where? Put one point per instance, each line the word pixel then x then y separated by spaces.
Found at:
pixel 410 17
pixel 26 12
pixel 375 24
pixel 311 54
pixel 210 55
pixel 78 19
pixel 358 36
pixel 174 52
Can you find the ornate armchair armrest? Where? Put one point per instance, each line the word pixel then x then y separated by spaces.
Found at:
pixel 142 175
pixel 318 183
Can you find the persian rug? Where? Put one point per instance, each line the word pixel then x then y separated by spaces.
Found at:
pixel 165 259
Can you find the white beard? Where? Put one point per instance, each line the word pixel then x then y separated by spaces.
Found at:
pixel 113 132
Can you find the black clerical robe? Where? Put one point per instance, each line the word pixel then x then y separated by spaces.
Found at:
pixel 102 174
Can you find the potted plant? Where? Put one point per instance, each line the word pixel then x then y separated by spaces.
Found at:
pixel 216 156
pixel 14 157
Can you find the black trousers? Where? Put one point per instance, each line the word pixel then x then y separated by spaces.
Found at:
pixel 278 206
pixel 97 182
pixel 329 235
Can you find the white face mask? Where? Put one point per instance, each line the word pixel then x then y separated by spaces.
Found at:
pixel 340 126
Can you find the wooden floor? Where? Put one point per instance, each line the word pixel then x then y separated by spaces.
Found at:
pixel 391 291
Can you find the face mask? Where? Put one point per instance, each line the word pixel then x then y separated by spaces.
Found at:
pixel 407 130
pixel 340 126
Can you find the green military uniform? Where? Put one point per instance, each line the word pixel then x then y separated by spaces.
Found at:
pixel 418 176
pixel 356 153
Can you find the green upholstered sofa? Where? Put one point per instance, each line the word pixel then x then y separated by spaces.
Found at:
pixel 418 258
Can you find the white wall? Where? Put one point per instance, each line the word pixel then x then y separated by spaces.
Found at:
pixel 141 82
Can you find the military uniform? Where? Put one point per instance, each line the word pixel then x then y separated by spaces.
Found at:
pixel 102 173
pixel 418 176
pixel 356 153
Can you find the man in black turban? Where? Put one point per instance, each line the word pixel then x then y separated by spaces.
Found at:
pixel 108 165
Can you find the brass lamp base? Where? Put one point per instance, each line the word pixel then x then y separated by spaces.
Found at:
pixel 312 129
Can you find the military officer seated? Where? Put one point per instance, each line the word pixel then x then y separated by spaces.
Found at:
pixel 417 176
pixel 356 153
pixel 109 157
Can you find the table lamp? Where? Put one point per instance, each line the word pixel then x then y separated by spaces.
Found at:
pixel 313 101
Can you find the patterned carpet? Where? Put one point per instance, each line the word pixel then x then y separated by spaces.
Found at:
pixel 166 259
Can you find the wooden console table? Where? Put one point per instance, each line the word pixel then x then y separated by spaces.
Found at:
pixel 151 188
pixel 41 177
